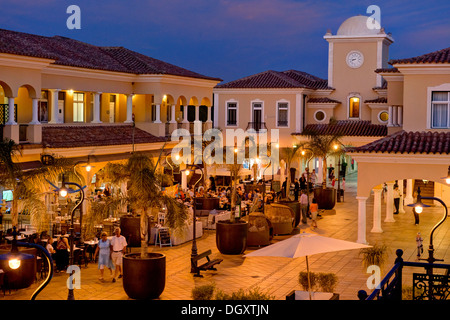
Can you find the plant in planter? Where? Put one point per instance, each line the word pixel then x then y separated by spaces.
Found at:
pixel 320 282
pixel 375 255
pixel 231 236
pixel 144 272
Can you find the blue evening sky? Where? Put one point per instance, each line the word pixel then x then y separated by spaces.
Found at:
pixel 231 39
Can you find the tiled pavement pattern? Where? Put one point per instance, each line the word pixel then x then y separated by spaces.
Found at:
pixel 277 275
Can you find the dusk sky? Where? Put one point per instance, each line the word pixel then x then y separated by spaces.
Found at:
pixel 230 39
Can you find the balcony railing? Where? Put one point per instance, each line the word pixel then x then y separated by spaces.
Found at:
pixel 425 286
pixel 256 126
pixel 4 113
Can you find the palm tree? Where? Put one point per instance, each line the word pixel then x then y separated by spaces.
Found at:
pixel 289 154
pixel 28 186
pixel 144 193
pixel 321 146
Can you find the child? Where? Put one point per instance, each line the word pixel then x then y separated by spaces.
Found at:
pixel 314 208
pixel 419 243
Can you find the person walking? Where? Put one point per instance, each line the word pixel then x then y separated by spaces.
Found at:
pixel 302 182
pixel 396 198
pixel 118 244
pixel 419 244
pixel 304 206
pixel 284 188
pixel 314 208
pixel 296 189
pixel 104 254
pixel 416 216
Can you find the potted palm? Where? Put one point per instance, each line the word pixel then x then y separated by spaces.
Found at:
pixel 231 236
pixel 321 146
pixel 144 272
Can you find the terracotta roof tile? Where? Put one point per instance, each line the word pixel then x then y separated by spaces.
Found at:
pixel 99 135
pixel 440 56
pixel 322 100
pixel 74 53
pixel 278 80
pixel 387 70
pixel 409 142
pixel 377 100
pixel 347 128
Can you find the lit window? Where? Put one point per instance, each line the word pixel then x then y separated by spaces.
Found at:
pixel 78 107
pixel 440 104
pixel 353 107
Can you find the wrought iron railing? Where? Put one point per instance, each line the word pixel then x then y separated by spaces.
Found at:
pixel 4 113
pixel 256 126
pixel 425 286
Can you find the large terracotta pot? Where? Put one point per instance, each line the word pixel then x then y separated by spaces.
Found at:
pixel 326 198
pixel 144 278
pixel 24 276
pixel 231 238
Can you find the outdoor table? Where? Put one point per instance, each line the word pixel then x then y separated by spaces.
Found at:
pixel 27 232
pixel 217 216
pixel 184 236
pixel 10 238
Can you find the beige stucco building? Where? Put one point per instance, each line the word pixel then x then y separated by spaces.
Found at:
pixel 73 99
pixel 394 115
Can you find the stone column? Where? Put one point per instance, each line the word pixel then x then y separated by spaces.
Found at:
pixel 185 122
pixel 54 105
pixel 400 189
pixel 96 111
pixel 409 192
pixel 390 118
pixel 361 220
pixel 11 128
pixel 158 114
pixel 35 119
pixel 208 122
pixel 390 202
pixel 129 108
pixel 394 116
pixel 377 210
pixel 11 120
pixel 400 115
pixel 173 125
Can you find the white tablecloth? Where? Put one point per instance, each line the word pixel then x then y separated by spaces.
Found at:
pixel 184 236
pixel 213 218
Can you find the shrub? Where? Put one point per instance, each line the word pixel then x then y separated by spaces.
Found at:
pixel 375 255
pixel 327 281
pixel 303 280
pixel 252 294
pixel 204 292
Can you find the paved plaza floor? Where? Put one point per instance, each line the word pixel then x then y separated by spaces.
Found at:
pixel 277 276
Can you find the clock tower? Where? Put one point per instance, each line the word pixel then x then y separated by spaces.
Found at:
pixel 355 52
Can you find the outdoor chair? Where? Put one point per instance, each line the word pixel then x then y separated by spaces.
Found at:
pixel 281 217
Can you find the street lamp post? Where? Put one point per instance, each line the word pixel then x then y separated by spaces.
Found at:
pixel 418 207
pixel 194 242
pixel 63 192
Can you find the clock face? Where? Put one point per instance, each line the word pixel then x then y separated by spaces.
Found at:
pixel 355 59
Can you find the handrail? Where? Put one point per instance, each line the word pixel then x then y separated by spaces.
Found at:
pixel 385 281
pixel 394 276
